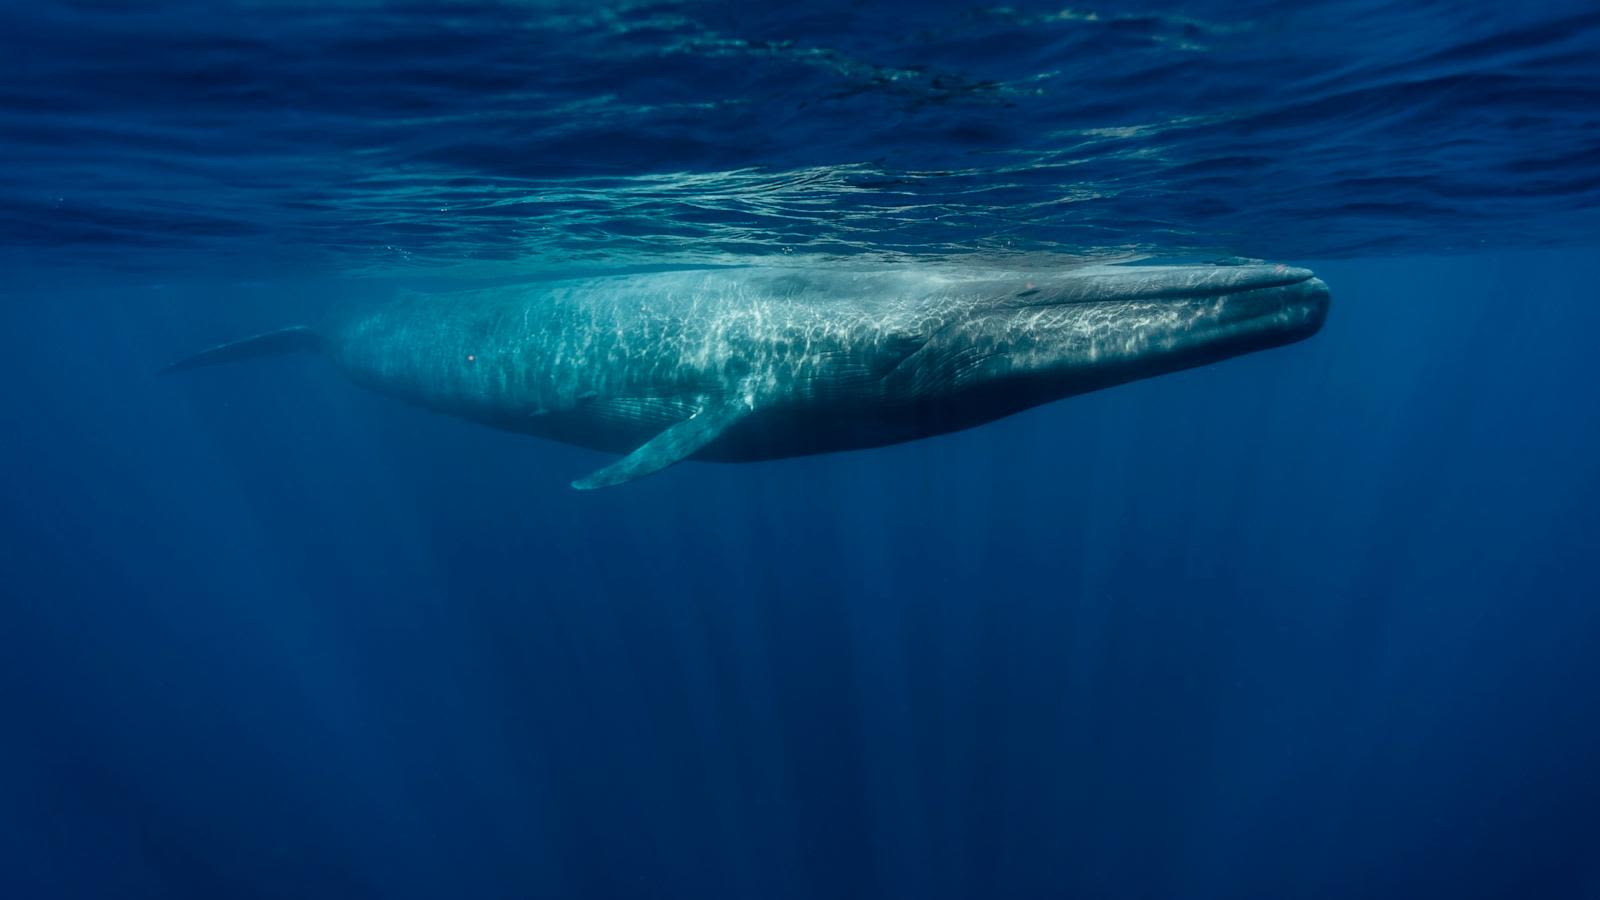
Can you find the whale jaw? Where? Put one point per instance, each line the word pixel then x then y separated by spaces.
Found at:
pixel 1068 339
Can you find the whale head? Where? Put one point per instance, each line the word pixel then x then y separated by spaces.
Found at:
pixel 1055 335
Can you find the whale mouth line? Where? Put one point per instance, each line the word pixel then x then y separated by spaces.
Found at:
pixel 1288 277
pixel 1145 284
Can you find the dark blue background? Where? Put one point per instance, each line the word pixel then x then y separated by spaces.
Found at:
pixel 1318 622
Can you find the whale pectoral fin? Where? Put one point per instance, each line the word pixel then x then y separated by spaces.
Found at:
pixel 671 446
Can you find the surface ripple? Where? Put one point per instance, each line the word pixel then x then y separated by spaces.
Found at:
pixel 491 137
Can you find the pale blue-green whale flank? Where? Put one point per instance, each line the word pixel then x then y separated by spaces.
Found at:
pixel 759 363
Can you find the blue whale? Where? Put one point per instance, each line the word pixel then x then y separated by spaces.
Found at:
pixel 743 364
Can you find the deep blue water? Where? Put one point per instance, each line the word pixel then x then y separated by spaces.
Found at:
pixel 1316 622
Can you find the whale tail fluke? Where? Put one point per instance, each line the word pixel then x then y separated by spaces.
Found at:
pixel 298 339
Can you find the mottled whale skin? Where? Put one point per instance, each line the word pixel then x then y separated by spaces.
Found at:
pixel 744 364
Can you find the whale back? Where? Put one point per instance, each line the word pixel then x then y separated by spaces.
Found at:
pixel 666 340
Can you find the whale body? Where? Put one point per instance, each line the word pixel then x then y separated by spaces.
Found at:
pixel 744 364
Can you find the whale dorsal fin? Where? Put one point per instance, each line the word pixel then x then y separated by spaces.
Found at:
pixel 671 446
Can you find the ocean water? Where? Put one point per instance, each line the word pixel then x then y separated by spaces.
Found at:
pixel 1322 621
